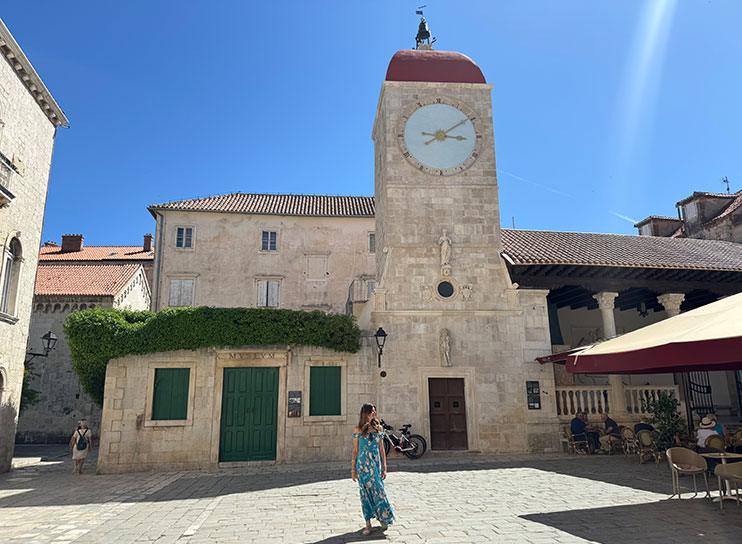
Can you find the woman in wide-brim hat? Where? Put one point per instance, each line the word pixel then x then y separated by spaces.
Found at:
pixel 705 429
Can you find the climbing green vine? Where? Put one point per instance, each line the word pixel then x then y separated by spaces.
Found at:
pixel 99 335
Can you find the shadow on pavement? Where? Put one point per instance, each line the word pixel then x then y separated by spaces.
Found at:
pixel 354 536
pixel 648 522
pixel 209 484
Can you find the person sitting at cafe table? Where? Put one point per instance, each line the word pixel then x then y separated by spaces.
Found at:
pixel 643 426
pixel 718 427
pixel 705 429
pixel 580 429
pixel 612 432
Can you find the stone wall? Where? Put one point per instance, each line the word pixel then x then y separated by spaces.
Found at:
pixel 226 261
pixel 27 140
pixel 62 402
pixel 131 441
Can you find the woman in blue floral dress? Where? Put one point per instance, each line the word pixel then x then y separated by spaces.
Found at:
pixel 369 469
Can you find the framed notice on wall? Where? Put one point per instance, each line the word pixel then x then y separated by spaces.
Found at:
pixel 294 403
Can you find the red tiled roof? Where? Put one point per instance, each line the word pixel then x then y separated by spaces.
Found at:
pixel 300 205
pixel 736 203
pixel 524 247
pixel 96 253
pixel 697 194
pixel 68 279
pixel 433 66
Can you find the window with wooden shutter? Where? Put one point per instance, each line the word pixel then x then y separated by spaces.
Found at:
pixel 181 293
pixel 170 396
pixel 268 293
pixel 184 237
pixel 324 391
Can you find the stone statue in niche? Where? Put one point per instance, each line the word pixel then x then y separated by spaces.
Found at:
pixel 445 346
pixel 445 242
pixel 466 292
pixel 426 293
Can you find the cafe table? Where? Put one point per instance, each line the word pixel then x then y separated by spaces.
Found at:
pixel 723 455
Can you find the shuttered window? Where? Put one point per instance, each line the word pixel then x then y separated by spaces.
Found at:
pixel 181 293
pixel 269 241
pixel 324 391
pixel 170 397
pixel 268 293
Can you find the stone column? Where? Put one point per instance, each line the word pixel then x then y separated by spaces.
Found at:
pixel 671 302
pixel 606 301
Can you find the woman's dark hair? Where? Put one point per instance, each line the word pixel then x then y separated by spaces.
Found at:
pixel 365 423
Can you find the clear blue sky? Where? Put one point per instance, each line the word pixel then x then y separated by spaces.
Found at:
pixel 601 109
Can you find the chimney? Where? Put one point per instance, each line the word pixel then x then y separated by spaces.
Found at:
pixel 72 242
pixel 148 242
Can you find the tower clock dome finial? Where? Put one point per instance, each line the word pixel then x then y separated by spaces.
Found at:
pixel 422 40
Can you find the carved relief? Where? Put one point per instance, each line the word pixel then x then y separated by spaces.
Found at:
pixel 445 242
pixel 466 292
pixel 445 347
pixel 426 293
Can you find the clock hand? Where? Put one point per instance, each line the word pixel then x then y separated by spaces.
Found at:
pixel 427 134
pixel 431 140
pixel 456 125
pixel 459 138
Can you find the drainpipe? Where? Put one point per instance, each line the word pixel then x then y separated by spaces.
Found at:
pixel 160 224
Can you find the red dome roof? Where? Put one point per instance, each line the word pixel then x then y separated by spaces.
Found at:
pixel 433 66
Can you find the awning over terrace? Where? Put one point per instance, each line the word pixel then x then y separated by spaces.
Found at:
pixel 707 338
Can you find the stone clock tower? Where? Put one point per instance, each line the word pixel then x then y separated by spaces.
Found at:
pixel 462 337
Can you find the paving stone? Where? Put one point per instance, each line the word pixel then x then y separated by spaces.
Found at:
pixel 532 499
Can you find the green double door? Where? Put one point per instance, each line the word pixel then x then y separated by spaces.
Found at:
pixel 249 414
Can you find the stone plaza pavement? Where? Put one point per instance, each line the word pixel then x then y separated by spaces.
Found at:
pixel 439 498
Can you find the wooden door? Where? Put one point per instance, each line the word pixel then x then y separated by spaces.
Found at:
pixel 447 414
pixel 249 414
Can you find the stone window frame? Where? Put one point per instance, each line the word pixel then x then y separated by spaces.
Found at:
pixel 314 254
pixel 193 238
pixel 150 392
pixel 371 246
pixel 182 276
pixel 3 383
pixel 306 393
pixel 10 283
pixel 278 241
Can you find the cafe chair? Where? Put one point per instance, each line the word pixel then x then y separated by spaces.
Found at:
pixel 716 442
pixel 685 461
pixel 732 473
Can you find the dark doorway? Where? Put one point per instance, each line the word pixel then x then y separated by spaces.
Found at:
pixel 447 414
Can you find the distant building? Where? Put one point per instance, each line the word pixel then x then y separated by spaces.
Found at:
pixel 73 277
pixel 710 216
pixel 29 118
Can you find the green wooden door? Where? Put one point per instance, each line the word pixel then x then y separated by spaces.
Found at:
pixel 249 414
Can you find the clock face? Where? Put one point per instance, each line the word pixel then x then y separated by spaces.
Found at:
pixel 440 136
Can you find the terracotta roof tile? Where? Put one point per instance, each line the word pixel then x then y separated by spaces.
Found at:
pixel 735 204
pixel 545 247
pixel 67 279
pixel 697 194
pixel 300 205
pixel 96 253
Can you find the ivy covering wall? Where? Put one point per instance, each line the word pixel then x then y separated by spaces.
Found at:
pixel 98 335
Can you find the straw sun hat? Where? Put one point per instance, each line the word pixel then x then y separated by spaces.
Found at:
pixel 706 423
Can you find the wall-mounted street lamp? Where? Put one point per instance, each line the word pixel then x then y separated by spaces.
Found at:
pixel 380 341
pixel 48 343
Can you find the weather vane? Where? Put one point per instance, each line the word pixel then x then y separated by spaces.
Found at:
pixel 422 40
pixel 726 180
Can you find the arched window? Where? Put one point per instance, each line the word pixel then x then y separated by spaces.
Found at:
pixel 11 272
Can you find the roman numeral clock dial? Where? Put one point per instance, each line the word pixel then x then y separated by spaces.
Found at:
pixel 440 136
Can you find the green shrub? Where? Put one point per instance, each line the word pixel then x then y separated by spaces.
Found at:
pixel 99 335
pixel 667 421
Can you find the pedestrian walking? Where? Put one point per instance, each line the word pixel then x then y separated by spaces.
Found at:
pixel 80 444
pixel 369 469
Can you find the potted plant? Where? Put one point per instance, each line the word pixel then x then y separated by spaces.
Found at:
pixel 668 424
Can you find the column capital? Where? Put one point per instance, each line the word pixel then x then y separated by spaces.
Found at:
pixel 605 299
pixel 671 302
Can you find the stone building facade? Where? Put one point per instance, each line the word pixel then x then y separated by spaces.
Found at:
pixel 468 307
pixel 29 118
pixel 709 216
pixel 282 251
pixel 73 277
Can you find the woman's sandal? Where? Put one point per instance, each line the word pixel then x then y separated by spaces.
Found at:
pixel 366 531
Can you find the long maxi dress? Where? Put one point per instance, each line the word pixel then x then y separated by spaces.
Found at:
pixel 368 466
